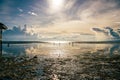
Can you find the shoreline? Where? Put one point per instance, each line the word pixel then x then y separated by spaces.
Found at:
pixel 61 42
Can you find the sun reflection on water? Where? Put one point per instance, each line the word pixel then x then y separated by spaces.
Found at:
pixel 50 51
pixel 58 54
pixel 59 42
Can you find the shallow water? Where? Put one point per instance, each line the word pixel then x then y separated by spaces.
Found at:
pixel 57 50
pixel 67 61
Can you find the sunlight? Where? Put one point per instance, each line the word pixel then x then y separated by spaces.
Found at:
pixel 56 5
pixel 59 42
pixel 57 53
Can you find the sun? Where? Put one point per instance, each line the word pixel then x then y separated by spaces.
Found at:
pixel 56 5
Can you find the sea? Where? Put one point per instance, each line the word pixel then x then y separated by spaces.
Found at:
pixel 70 61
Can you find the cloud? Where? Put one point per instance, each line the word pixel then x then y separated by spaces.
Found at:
pixel 36 34
pixel 21 10
pixel 92 12
pixel 16 33
pixel 32 13
pixel 108 33
pixel 82 15
pixel 98 30
pixel 117 22
pixel 75 16
pixel 113 33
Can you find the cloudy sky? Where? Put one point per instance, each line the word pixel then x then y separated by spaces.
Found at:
pixel 60 16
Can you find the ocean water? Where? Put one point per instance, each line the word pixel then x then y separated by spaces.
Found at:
pixel 66 61
pixel 59 50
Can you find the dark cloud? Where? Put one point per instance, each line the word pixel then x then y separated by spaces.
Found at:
pixel 99 30
pixel 112 33
pixel 108 31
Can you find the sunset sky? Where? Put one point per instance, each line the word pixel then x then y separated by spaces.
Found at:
pixel 60 16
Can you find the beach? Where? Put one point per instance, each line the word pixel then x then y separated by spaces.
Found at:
pixel 62 61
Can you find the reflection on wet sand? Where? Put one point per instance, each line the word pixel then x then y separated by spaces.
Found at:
pixel 67 50
pixel 111 49
pixel 72 62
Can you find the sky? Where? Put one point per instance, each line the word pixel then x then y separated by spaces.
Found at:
pixel 61 19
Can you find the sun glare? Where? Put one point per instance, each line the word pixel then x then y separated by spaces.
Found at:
pixel 59 42
pixel 56 5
